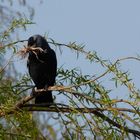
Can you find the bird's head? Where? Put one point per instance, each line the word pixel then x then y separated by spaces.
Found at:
pixel 38 41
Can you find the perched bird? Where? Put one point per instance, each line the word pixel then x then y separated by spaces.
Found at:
pixel 42 67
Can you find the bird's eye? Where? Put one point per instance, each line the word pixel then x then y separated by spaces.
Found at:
pixel 31 41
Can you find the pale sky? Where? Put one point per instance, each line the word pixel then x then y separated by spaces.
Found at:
pixel 112 28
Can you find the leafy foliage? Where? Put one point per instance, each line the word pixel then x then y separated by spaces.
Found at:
pixel 88 109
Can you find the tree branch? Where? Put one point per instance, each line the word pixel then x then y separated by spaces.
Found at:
pixel 95 111
pixel 65 109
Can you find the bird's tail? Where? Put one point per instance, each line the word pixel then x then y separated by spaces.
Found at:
pixel 44 97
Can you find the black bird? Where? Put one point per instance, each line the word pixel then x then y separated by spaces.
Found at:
pixel 42 67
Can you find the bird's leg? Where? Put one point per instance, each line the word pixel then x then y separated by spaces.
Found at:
pixel 46 88
pixel 33 93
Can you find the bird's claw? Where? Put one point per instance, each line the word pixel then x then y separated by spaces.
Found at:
pixel 33 93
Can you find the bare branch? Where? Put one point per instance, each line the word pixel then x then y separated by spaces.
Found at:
pixel 67 109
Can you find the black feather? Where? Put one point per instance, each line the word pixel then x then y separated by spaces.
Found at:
pixel 42 67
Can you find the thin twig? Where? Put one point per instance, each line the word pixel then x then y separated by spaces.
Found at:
pixel 13 43
pixel 7 63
